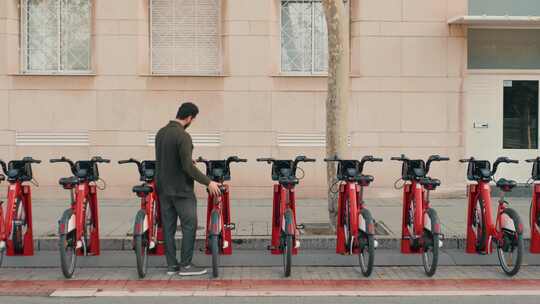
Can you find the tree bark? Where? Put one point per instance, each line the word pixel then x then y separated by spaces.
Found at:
pixel 338 24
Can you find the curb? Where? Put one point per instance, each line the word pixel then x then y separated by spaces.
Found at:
pixel 255 243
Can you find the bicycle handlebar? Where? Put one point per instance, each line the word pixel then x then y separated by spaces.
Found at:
pixel 63 159
pixel 400 158
pixel 27 159
pixel 532 160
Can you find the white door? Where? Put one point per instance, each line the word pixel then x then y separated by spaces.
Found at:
pixel 501 119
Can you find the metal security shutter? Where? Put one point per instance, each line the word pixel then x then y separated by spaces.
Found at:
pixel 185 37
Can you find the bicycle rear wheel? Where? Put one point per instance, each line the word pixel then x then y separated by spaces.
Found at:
pixel 510 248
pixel 366 243
pixel 287 240
pixel 67 246
pixel 430 254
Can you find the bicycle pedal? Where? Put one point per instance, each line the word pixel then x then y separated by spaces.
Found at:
pixel 375 243
pixel 270 247
pixel 440 244
pixel 301 227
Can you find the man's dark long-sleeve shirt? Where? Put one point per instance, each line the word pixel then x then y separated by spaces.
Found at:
pixel 175 171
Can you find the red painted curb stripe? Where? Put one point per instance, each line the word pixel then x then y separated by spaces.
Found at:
pixel 46 287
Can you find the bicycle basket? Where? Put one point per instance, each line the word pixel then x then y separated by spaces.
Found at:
pixel 148 170
pixel 24 169
pixel 479 169
pixel 347 169
pixel 413 169
pixel 535 174
pixel 218 170
pixel 282 168
pixel 91 174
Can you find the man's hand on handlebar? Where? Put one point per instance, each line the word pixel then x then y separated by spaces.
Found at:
pixel 213 189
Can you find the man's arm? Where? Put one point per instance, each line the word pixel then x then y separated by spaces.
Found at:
pixel 185 149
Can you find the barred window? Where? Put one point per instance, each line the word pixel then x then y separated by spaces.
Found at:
pixel 56 36
pixel 185 37
pixel 304 37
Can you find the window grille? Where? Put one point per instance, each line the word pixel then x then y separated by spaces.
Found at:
pixel 56 36
pixel 304 37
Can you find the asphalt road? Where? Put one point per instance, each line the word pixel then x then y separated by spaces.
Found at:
pixel 282 300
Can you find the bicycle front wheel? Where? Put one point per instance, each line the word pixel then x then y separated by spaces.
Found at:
pixel 366 243
pixel 510 248
pixel 214 248
pixel 141 252
pixel 430 255
pixel 67 247
pixel 288 243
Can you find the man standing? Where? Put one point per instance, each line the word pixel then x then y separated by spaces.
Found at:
pixel 175 175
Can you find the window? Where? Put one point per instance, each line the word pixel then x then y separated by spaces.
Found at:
pixel 503 48
pixel 56 36
pixel 185 37
pixel 304 42
pixel 520 125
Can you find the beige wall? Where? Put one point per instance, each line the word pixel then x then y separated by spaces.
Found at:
pixel 407 68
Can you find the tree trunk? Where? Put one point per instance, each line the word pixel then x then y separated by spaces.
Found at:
pixel 337 20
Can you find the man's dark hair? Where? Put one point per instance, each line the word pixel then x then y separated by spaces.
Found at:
pixel 187 109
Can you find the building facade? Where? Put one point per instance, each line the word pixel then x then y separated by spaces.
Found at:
pixel 99 77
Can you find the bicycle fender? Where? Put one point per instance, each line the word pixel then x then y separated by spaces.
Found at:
pixel 215 224
pixel 141 223
pixel 366 223
pixel 67 223
pixel 431 221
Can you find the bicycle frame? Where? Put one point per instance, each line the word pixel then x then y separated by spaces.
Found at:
pixel 535 230
pixel 17 190
pixel 150 203
pixel 284 197
pixel 493 230
pixel 350 191
pixel 414 190
pixel 84 191
pixel 221 204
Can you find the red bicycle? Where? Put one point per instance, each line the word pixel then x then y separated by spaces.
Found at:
pixel 534 214
pixel 78 228
pixel 421 227
pixel 355 225
pixel 507 230
pixel 285 237
pixel 147 229
pixel 218 213
pixel 16 228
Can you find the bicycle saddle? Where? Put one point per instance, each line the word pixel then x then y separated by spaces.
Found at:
pixel 142 189
pixel 364 180
pixel 430 183
pixel 68 182
pixel 506 185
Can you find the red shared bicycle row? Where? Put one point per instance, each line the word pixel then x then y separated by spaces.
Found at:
pixel 78 227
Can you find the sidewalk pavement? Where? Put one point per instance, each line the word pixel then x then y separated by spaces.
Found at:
pixel 265 281
pixel 253 220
